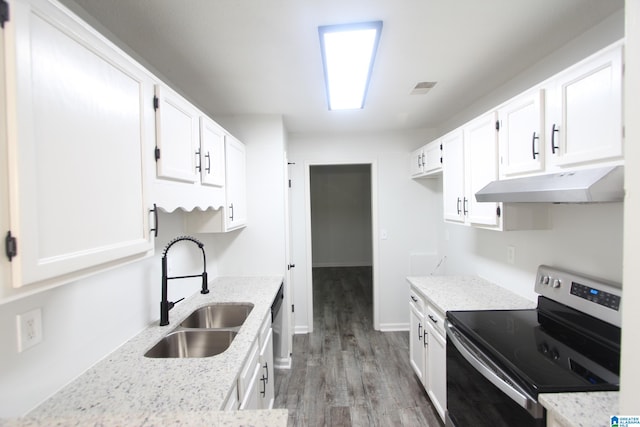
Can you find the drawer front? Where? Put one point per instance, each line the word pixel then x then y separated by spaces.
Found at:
pixel 436 319
pixel 416 301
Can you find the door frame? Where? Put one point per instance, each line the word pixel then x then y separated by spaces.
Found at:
pixel 374 235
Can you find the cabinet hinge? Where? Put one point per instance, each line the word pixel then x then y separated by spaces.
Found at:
pixel 157 154
pixel 4 12
pixel 497 124
pixel 289 183
pixel 156 103
pixel 293 308
pixel 498 212
pixel 10 246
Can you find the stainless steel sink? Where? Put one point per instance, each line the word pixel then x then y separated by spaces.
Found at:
pixel 192 343
pixel 217 316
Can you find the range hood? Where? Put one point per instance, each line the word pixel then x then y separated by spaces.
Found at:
pixel 603 184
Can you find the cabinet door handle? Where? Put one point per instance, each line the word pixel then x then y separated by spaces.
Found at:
pixel 231 211
pixel 419 331
pixel 424 337
pixel 198 160
pixel 533 145
pixel 155 221
pixel 266 371
pixel 423 156
pixel 208 157
pixel 414 299
pixel 464 207
pixel 263 392
pixel 433 319
pixel 458 206
pixel 554 147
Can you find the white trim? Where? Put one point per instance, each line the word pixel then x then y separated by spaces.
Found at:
pixel 282 363
pixel 301 330
pixel 394 327
pixel 374 236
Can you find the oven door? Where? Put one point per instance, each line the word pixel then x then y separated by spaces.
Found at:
pixel 480 393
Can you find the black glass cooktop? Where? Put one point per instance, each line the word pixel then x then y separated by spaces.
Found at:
pixel 543 350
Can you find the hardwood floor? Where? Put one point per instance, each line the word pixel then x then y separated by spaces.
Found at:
pixel 345 373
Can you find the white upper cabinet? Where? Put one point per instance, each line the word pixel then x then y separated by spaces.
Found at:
pixel 481 167
pixel 236 183
pixel 453 177
pixel 521 134
pixel 426 161
pixel 79 122
pixel 177 136
pixel 416 165
pixel 211 152
pixel 585 110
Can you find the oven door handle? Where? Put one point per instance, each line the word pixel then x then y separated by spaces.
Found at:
pixel 493 373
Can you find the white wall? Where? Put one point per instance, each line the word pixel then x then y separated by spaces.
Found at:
pixel 86 320
pixel 258 249
pixel 630 369
pixel 404 209
pixel 341 215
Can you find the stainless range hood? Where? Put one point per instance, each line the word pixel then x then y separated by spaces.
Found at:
pixel 605 184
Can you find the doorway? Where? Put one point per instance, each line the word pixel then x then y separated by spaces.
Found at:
pixel 341 224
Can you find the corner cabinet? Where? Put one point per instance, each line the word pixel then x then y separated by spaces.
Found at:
pixel 79 120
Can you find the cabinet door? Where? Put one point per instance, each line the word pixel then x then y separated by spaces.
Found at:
pixel 437 368
pixel 80 118
pixel 266 386
pixel 236 182
pixel 212 138
pixel 251 399
pixel 416 344
pixel 521 134
pixel 177 137
pixel 417 162
pixel 433 156
pixel 587 124
pixel 453 176
pixel 481 166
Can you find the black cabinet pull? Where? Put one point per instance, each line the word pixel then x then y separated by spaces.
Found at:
pixel 464 206
pixel 419 331
pixel 266 371
pixel 263 392
pixel 155 220
pixel 424 337
pixel 208 157
pixel 554 147
pixel 533 145
pixel 231 210
pixel 423 156
pixel 433 319
pixel 458 206
pixel 199 164
pixel 414 298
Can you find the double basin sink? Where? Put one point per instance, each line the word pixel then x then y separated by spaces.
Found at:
pixel 207 331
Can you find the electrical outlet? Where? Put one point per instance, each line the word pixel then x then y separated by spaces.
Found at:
pixel 29 329
pixel 511 254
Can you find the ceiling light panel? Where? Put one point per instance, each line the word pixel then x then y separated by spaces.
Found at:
pixel 348 53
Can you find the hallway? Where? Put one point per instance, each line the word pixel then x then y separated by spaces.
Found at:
pixel 345 373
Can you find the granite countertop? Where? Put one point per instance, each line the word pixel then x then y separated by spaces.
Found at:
pixel 128 385
pixel 588 409
pixel 467 293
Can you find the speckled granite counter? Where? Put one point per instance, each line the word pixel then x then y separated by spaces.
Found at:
pixel 467 293
pixel 271 418
pixel 126 384
pixel 581 409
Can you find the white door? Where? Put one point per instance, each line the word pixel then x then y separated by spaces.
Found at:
pixel 177 136
pixel 80 119
pixel 453 176
pixel 481 166
pixel 289 320
pixel 521 134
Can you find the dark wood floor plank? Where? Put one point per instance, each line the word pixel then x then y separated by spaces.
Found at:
pixel 345 373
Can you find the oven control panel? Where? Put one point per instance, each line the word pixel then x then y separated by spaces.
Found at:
pixel 597 297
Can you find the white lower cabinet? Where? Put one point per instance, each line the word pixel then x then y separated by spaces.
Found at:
pixel 427 348
pixel 255 384
pixel 232 400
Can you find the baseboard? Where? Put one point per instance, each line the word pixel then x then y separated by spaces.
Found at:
pixel 394 327
pixel 301 329
pixel 282 363
pixel 341 264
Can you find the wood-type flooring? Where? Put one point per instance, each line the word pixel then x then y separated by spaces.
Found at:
pixel 345 373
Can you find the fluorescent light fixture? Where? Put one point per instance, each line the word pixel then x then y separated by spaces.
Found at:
pixel 348 52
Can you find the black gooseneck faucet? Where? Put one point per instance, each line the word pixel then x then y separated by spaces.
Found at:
pixel 165 304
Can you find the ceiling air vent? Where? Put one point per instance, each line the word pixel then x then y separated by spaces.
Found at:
pixel 422 87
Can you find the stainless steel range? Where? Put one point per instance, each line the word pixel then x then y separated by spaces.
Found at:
pixel 498 361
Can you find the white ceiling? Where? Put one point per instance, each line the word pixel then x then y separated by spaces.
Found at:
pixel 262 56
